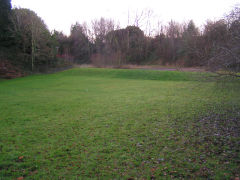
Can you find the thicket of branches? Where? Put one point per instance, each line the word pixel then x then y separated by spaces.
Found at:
pixel 103 42
pixel 25 40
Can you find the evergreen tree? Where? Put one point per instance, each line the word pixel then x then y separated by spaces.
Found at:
pixel 5 9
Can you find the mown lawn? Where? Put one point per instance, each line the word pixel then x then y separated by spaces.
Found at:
pixel 118 124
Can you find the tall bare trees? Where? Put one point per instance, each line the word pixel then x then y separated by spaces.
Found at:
pixel 222 38
pixel 32 38
pixel 80 45
pixel 216 45
pixel 100 28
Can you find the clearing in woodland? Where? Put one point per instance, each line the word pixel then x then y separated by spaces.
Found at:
pixel 93 123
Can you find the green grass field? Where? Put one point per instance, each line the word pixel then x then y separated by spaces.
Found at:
pixel 117 124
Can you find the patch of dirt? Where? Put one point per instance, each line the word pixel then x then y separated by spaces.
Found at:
pixel 166 68
pixel 147 67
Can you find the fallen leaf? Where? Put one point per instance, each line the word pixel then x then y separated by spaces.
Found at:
pixel 130 178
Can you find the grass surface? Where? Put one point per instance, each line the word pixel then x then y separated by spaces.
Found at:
pixel 106 124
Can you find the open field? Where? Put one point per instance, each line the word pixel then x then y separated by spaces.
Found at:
pixel 88 123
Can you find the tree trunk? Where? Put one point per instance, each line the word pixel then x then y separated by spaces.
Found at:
pixel 33 49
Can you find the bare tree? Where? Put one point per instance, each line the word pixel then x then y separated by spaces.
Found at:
pixel 31 35
pixel 225 52
pixel 100 28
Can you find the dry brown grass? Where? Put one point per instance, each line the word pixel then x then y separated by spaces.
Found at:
pixel 147 67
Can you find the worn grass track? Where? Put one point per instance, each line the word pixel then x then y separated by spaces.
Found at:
pixel 106 124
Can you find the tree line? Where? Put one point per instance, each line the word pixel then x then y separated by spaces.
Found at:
pixel 26 41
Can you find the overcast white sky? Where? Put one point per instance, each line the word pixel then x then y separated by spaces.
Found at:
pixel 60 14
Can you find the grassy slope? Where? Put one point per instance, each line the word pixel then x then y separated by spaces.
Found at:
pixel 106 123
